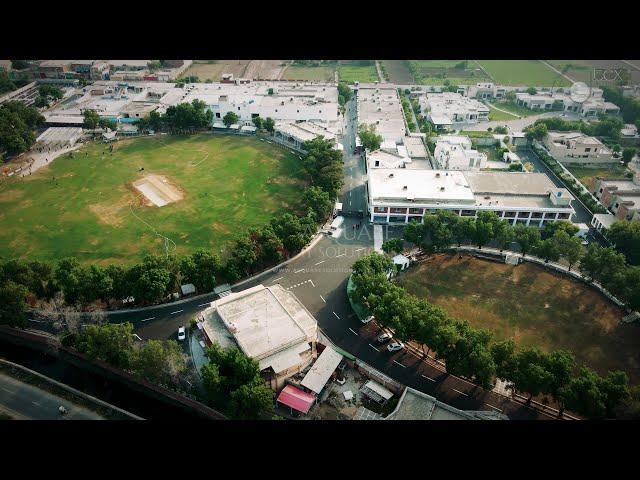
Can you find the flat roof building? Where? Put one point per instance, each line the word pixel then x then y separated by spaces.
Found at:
pixel 454 152
pixel 577 148
pixel 449 110
pixel 403 195
pixel 380 106
pixel 268 324
pixel 415 405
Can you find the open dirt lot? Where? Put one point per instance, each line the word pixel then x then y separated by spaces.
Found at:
pixel 264 69
pixel 533 306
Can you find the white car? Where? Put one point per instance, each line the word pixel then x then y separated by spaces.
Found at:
pixel 182 334
pixel 385 337
pixel 395 346
pixel 367 319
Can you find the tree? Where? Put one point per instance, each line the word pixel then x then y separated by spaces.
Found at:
pixel 17 125
pixel 110 342
pixel 570 248
pixel 504 357
pixel 200 269
pixel 244 253
pixel 527 237
pixel 6 85
pixel 549 250
pixel 393 245
pixel 531 374
pixel 344 93
pixel 69 277
pixel 91 119
pixel 251 402
pixel 560 364
pixel 615 390
pixel 150 280
pixel 159 361
pixel 13 304
pixel 532 91
pixel 316 199
pixel 370 139
pixel 230 118
pixel 551 228
pixel 257 122
pixel 323 165
pixel 269 124
pixel 414 233
pixel 516 167
pixel 626 237
pixel 602 264
pixel 503 234
pixel 583 396
pixel 485 224
pixel 537 131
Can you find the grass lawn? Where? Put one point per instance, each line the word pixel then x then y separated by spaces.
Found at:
pixel 350 72
pixel 518 110
pixel 229 183
pixel 497 115
pixel 295 72
pixel 531 305
pixel 579 70
pixel 587 176
pixel 523 72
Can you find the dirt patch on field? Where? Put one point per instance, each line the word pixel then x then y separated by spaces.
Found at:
pixel 221 227
pixel 10 195
pixel 111 213
pixel 158 190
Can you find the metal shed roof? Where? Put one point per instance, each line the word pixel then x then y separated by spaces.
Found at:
pixel 321 371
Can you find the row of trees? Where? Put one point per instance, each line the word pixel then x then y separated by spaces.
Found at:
pixel 629 106
pixel 91 120
pixel 604 265
pixel 17 126
pixel 606 127
pixel 474 354
pixel 158 361
pixel 48 93
pixel 232 384
pixel 625 235
pixel 179 118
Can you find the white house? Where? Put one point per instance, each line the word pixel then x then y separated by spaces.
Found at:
pixel 451 110
pixel 454 152
pixel 576 147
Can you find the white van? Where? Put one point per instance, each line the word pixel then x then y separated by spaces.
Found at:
pixel 337 222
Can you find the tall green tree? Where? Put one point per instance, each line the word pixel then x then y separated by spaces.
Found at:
pixel 230 118
pixel 626 237
pixel 316 199
pixel 13 304
pixel 527 237
pixel 109 342
pixel 369 138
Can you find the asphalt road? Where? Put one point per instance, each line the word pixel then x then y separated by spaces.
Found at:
pixel 27 402
pixel 319 279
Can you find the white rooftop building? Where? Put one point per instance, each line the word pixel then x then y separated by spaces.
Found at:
pixel 403 195
pixel 577 148
pixel 270 325
pixel 380 106
pixel 454 152
pixel 588 108
pixel 448 110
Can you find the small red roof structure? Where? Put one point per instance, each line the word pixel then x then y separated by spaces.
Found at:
pixel 297 399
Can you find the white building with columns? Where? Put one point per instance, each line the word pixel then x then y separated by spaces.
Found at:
pixel 404 195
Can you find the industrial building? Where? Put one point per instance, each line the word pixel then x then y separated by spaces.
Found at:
pixel 403 195
pixel 268 324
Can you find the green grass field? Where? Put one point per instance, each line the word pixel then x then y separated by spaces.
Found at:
pixel 497 115
pixel 320 74
pixel 517 109
pixel 351 72
pixel 229 183
pixel 523 72
pixel 579 70
pixel 531 305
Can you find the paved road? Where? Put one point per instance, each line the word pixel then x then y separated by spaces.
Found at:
pixel 27 402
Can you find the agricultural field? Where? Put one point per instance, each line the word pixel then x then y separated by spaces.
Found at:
pixel 457 72
pixel 398 72
pixel 579 70
pixel 349 71
pixel 318 74
pixel 104 208
pixel 531 305
pixel 522 72
pixel 213 71
pixel 587 176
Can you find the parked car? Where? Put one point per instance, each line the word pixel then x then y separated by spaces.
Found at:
pixel 182 334
pixel 385 337
pixel 367 319
pixel 395 346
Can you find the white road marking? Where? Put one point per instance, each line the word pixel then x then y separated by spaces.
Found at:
pixel 496 408
pixel 137 336
pixel 323 299
pixel 374 348
pixel 428 378
pixel 403 366
pixel 276 279
pixel 358 249
pixel 322 261
pixel 314 285
pixel 461 393
pixel 177 311
pixel 341 255
pixel 298 271
pixel 203 304
pixel 354 332
pixel 336 315
pixel 147 319
pixel 7 390
pixel 36 403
